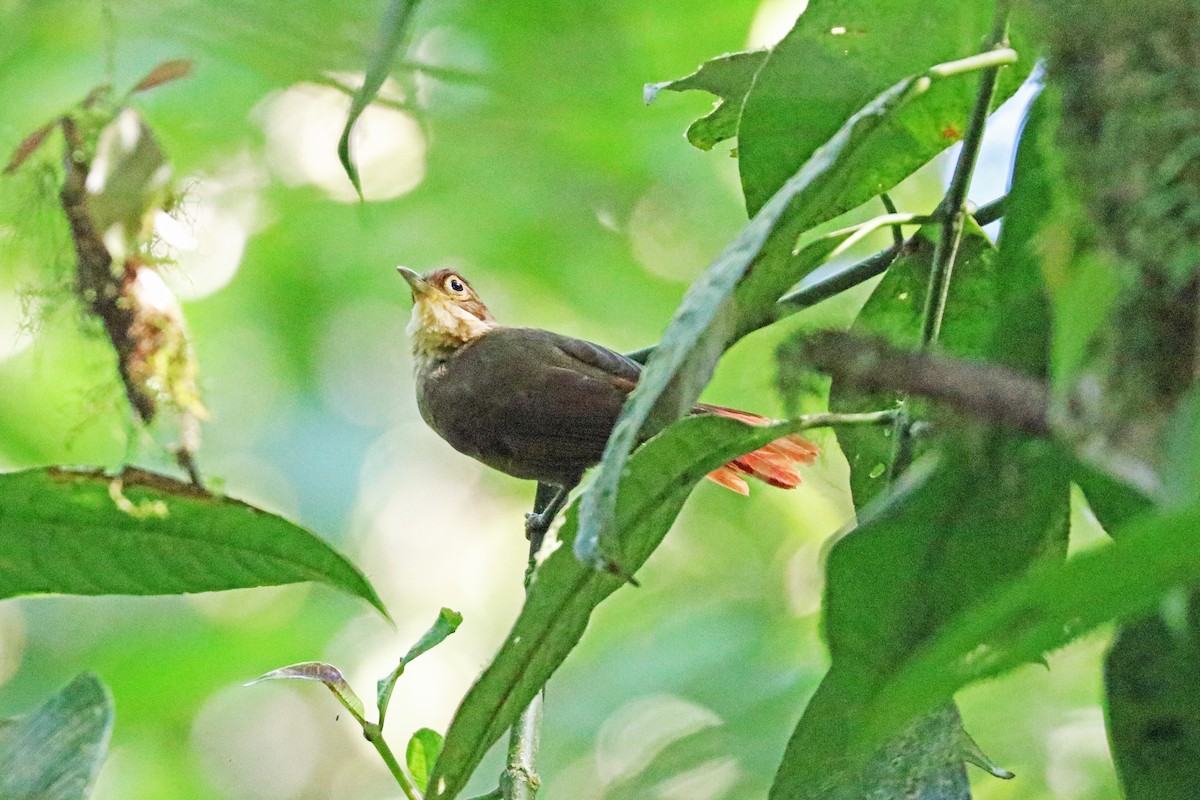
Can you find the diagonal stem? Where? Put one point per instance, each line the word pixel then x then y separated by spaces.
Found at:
pixel 520 780
pixel 953 206
pixel 953 212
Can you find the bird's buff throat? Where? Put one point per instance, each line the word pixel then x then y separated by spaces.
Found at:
pixel 437 329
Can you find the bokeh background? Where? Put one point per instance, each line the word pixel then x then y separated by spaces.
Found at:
pixel 528 161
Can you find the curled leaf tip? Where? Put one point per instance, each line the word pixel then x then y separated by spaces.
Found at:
pixel 651 90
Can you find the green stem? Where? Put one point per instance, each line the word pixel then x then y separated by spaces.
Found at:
pixel 374 735
pixel 832 420
pixel 520 780
pixel 890 207
pixel 953 206
pixel 851 276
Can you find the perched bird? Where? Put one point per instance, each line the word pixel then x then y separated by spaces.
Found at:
pixel 538 405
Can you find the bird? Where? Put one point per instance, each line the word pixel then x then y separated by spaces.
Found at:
pixel 539 405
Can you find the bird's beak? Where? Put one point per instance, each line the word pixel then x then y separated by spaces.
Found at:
pixel 418 284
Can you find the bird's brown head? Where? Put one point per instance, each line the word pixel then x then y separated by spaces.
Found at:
pixel 446 312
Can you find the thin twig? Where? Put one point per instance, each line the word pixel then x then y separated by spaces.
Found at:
pixel 995 394
pixel 520 780
pixel 953 210
pixel 953 206
pixel 890 207
pixel 833 420
pixel 851 276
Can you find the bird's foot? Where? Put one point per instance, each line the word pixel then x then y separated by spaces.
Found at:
pixel 537 524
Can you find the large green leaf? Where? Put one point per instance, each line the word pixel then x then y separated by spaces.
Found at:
pixel 1150 559
pixel 839 55
pixel 564 591
pixel 75 532
pixel 55 752
pixel 738 292
pixel 947 534
pixel 894 312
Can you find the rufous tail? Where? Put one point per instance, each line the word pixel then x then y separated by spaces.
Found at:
pixel 774 464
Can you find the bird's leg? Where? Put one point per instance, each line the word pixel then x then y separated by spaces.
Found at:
pixel 548 502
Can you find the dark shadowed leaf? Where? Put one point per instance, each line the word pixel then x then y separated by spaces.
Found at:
pixel 1150 559
pixel 55 752
pixel 421 754
pixel 947 534
pixel 738 292
pixel 76 532
pixel 1152 680
pixel 729 78
pixel 1113 502
pixel 658 480
pixel 925 761
pixel 839 55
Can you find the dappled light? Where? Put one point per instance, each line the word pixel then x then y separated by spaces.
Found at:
pixel 302 125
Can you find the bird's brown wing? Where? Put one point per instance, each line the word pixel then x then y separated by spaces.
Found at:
pixel 535 404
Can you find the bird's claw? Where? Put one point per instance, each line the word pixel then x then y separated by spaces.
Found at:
pixel 536 523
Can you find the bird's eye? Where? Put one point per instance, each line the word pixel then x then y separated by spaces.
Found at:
pixel 455 285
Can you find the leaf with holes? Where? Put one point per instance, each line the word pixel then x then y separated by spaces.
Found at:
pixel 728 77
pixel 839 55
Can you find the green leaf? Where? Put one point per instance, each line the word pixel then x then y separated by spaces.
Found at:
pixel 924 762
pixel 894 312
pixel 1181 477
pixel 1114 503
pixel 564 592
pixel 55 752
pixel 82 532
pixel 1021 336
pixel 446 624
pixel 392 33
pixel 1152 680
pixel 1082 288
pixel 738 292
pixel 839 55
pixel 949 532
pixel 1021 622
pixel 421 754
pixel 324 673
pixel 728 77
